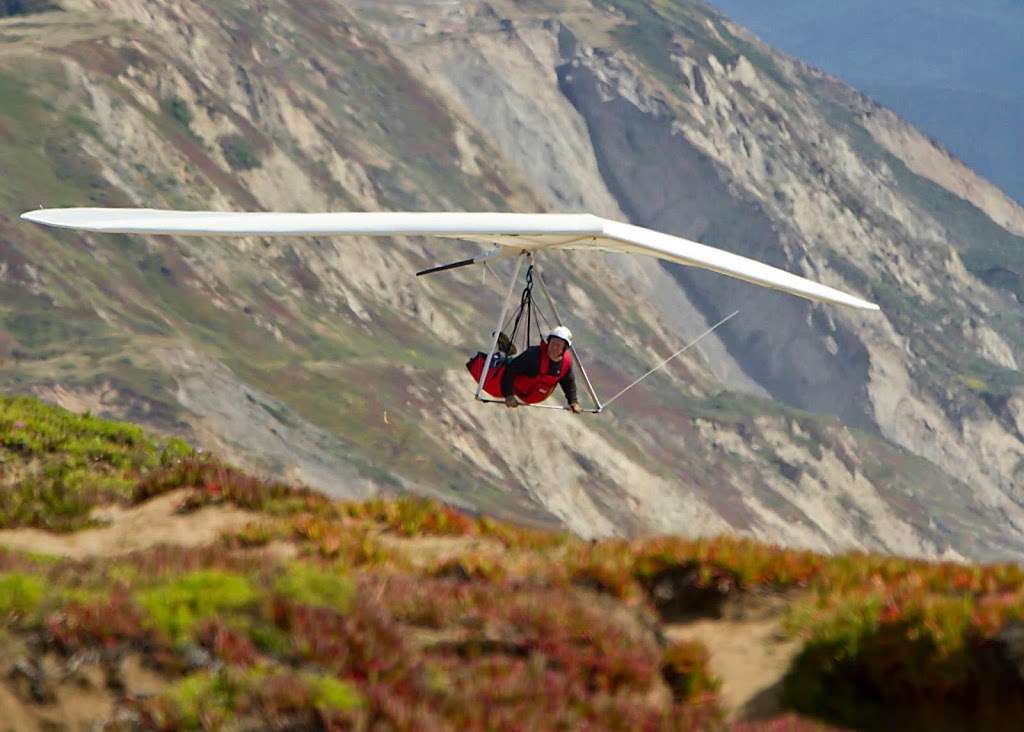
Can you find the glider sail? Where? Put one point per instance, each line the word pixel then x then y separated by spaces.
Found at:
pixel 515 231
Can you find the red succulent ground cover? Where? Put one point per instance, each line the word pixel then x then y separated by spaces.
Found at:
pixel 881 628
pixel 359 624
pixel 413 652
pixel 350 634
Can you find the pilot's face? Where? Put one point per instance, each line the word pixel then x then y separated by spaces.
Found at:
pixel 556 348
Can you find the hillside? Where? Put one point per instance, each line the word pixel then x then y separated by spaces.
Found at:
pixel 326 362
pixel 145 586
pixel 951 69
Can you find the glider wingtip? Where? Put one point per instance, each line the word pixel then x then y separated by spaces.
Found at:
pixel 36 217
pixel 862 305
pixel 48 216
pixel 65 218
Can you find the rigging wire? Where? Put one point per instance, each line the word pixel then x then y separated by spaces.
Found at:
pixel 682 350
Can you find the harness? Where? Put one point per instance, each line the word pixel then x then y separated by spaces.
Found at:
pixel 535 389
pixel 529 389
pixel 525 308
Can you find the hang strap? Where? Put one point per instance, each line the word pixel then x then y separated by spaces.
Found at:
pixel 525 308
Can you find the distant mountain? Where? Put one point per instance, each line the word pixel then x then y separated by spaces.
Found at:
pixel 955 70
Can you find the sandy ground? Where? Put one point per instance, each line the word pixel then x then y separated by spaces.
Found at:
pixel 150 524
pixel 749 653
pixel 77 699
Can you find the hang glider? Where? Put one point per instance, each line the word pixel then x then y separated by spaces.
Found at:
pixel 517 235
pixel 513 232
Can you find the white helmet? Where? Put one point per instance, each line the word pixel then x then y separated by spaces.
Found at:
pixel 561 332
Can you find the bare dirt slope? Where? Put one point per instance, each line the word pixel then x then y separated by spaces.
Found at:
pixel 125 530
pixel 750 652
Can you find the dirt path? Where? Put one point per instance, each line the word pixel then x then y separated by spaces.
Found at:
pixel 152 523
pixel 749 653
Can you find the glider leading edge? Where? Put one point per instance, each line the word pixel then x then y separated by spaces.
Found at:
pixel 511 234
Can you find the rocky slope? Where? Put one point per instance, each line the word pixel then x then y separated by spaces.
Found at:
pixel 951 69
pixel 326 361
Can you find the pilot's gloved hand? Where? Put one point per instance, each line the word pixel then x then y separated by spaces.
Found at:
pixel 511 402
pixel 575 407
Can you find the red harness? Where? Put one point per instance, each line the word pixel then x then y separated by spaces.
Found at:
pixel 529 389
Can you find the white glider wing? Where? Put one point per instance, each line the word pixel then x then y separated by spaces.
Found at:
pixel 515 230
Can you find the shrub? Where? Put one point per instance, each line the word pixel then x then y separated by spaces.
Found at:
pixel 20 594
pixel 71 463
pixel 471 567
pixel 177 109
pixel 107 621
pixel 227 644
pixel 353 545
pixel 178 606
pixel 331 695
pixel 205 700
pixel 255 534
pixel 214 700
pixel 216 482
pixel 239 152
pixel 307 585
pixel 899 649
pixel 684 665
pixel 412 516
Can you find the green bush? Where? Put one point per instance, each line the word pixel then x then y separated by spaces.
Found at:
pixel 177 607
pixel 332 695
pixel 239 152
pixel 685 668
pixel 20 594
pixel 177 109
pixel 204 700
pixel 308 585
pixel 212 700
pixel 68 463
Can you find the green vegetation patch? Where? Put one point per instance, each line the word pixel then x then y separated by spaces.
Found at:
pixel 60 465
pixel 239 152
pixel 211 700
pixel 20 594
pixel 653 30
pixel 685 666
pixel 178 606
pixel 177 109
pixel 309 585
pixel 331 695
pixel 35 142
pixel 219 483
pixel 987 250
pixel 46 331
pixel 871 660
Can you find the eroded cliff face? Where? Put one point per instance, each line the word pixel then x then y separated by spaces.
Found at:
pixel 325 359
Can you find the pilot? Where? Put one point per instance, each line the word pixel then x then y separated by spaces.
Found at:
pixel 531 376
